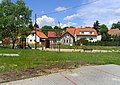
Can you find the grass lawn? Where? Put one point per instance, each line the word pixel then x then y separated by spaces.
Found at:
pixel 36 58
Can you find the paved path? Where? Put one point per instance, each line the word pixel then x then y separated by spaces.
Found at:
pixel 75 50
pixel 88 75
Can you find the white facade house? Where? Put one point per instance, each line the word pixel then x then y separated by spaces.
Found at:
pixel 37 37
pixel 89 33
pixel 67 39
pixel 99 37
pixel 31 38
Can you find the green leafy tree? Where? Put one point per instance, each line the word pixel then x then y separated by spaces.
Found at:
pixel 46 28
pixel 116 25
pixel 15 18
pixel 57 28
pixel 68 27
pixel 103 29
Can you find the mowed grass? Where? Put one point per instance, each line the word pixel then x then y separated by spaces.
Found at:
pixel 36 58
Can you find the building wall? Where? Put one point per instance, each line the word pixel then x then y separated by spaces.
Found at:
pixel 67 39
pixel 99 37
pixel 89 38
pixel 31 39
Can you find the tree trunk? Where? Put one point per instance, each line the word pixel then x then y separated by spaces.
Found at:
pixel 25 43
pixel 13 43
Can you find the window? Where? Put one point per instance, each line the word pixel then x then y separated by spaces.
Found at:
pixel 30 40
pixel 67 41
pixel 91 38
pixel 82 32
pixel 90 32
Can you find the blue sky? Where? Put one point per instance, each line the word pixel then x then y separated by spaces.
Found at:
pixel 106 11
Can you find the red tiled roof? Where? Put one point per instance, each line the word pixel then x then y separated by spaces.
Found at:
pixel 71 31
pixel 78 30
pixel 114 32
pixel 41 34
pixel 52 34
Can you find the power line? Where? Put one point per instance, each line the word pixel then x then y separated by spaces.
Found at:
pixel 55 12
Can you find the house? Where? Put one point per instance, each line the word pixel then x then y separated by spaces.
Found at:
pixel 89 33
pixel 36 37
pixel 114 32
pixel 65 38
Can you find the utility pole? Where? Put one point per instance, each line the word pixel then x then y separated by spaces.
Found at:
pixel 59 34
pixel 35 32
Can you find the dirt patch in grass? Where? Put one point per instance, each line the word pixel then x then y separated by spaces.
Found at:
pixel 40 71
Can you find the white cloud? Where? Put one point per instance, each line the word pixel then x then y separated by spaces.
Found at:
pixel 106 11
pixel 58 9
pixel 71 24
pixel 45 20
pixel 71 17
pixel 67 25
pixel 62 25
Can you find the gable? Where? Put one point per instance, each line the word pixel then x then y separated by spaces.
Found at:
pixel 66 34
pixel 71 31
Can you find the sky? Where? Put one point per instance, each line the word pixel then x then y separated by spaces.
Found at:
pixel 78 13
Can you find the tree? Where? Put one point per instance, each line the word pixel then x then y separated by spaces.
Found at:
pixel 65 28
pixel 57 28
pixel 15 18
pixel 46 28
pixel 103 29
pixel 96 26
pixel 116 25
pixel 68 27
